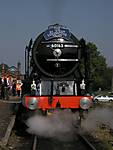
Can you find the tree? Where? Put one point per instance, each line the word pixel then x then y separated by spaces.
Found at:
pixel 99 71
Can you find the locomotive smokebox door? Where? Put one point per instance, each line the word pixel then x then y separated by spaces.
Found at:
pixel 56 52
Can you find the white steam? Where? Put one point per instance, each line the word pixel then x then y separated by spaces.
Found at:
pixel 56 10
pixel 61 125
pixel 57 125
pixel 97 117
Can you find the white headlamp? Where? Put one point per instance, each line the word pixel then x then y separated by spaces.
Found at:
pixel 85 103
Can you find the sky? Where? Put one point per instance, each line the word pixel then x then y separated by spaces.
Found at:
pixel 21 20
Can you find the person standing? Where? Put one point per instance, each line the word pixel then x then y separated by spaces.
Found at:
pixel 18 88
pixel 0 86
pixel 2 91
pixel 6 89
pixel 14 88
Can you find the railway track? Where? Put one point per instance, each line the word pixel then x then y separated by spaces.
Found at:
pixel 87 142
pixel 35 143
pixel 13 140
pixel 32 142
pixel 16 141
pixel 81 143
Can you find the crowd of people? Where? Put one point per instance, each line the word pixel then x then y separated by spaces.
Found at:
pixel 9 88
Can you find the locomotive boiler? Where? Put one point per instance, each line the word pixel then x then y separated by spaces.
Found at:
pixel 56 72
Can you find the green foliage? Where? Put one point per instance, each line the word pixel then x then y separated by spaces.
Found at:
pixel 99 72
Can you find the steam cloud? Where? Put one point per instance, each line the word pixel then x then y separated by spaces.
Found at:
pixel 57 125
pixel 56 10
pixel 97 117
pixel 61 125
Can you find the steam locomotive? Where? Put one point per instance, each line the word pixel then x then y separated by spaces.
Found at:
pixel 57 67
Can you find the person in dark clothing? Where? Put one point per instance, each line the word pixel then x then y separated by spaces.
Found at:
pixel 0 81
pixel 14 89
pixel 5 82
pixel 0 86
pixel 6 89
pixel 2 91
pixel 26 87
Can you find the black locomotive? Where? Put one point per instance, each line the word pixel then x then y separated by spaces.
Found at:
pixel 57 53
pixel 58 64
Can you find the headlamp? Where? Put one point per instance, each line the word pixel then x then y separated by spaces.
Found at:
pixel 85 103
pixel 30 102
